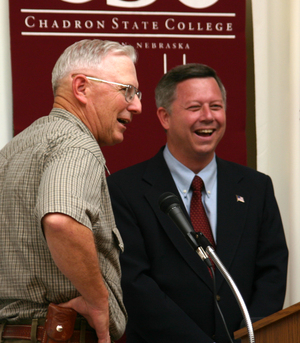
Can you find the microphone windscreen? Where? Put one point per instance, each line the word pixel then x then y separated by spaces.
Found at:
pixel 167 201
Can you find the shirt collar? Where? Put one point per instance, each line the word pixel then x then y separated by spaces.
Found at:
pixel 64 114
pixel 183 176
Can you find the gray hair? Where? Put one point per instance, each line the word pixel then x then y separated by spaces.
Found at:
pixel 165 92
pixel 87 54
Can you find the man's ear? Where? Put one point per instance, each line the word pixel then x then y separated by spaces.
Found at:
pixel 79 87
pixel 163 116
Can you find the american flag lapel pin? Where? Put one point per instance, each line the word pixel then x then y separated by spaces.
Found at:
pixel 239 198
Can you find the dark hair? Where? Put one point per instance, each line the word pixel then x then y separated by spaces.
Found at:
pixel 165 91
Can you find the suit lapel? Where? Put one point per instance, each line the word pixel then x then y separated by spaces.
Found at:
pixel 232 206
pixel 160 179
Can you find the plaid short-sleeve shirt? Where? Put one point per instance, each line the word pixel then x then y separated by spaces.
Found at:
pixel 55 165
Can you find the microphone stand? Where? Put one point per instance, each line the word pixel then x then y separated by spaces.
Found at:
pixel 169 204
pixel 205 247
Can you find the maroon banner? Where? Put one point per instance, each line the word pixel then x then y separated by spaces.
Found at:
pixel 165 34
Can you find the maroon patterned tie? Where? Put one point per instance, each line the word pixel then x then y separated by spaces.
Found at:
pixel 197 212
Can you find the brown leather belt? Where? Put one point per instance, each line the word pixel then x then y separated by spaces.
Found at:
pixel 59 328
pixel 24 332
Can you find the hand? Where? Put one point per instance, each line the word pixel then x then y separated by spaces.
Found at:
pixel 98 318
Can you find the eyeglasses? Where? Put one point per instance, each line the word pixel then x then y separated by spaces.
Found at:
pixel 130 91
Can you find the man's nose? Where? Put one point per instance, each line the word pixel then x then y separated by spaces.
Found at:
pixel 206 113
pixel 135 106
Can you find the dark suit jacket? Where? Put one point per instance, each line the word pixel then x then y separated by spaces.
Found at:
pixel 167 288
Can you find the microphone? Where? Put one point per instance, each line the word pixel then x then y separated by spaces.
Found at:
pixel 170 204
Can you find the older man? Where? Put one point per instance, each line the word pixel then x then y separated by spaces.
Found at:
pixel 58 239
pixel 168 290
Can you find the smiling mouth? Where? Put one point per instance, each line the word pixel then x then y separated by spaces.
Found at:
pixel 204 132
pixel 123 121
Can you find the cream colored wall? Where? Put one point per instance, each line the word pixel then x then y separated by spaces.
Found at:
pixel 277 82
pixel 6 130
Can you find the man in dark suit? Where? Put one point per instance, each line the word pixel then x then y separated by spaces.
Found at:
pixel 168 290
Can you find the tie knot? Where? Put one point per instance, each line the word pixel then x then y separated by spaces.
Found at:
pixel 197 184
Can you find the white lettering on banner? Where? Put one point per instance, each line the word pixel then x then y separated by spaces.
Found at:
pixel 134 26
pixel 43 23
pixel 160 45
pixel 130 4
pixel 143 3
pixel 76 1
pixel 117 24
pixel 66 24
pixel 27 21
pixel 198 3
pixel 171 24
pixel 30 21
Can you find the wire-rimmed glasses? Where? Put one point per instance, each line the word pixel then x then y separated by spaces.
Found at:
pixel 130 90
